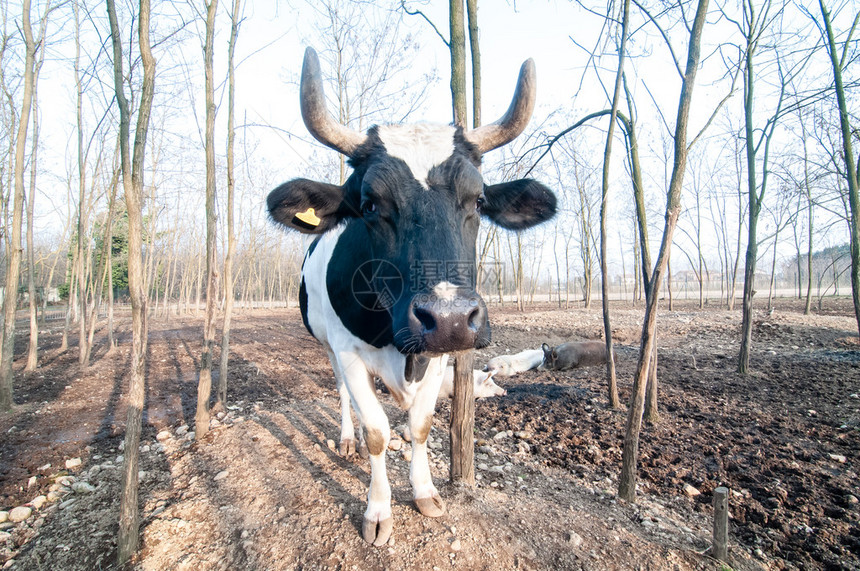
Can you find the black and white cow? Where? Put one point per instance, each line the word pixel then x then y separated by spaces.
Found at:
pixel 388 287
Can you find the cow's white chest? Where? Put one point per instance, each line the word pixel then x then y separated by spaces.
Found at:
pixel 386 363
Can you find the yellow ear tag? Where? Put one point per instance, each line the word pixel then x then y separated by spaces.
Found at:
pixel 307 218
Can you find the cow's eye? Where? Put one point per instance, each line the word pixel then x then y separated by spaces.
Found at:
pixel 368 207
pixel 479 204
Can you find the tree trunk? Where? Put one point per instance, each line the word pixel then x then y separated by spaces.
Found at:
pixel 652 411
pixel 172 263
pixel 33 348
pixel 499 275
pixel 848 156
pixel 669 284
pixel 521 302
pixel 701 275
pixel 627 480
pixel 754 210
pixel 83 247
pixel 13 269
pixel 231 239
pixel 64 343
pixel 107 242
pixel 612 385
pixel 734 280
pixel 770 292
pixel 111 339
pixel 458 62
pixel 132 178
pixel 585 249
pixel 807 306
pixel 557 265
pixel 636 264
pixel 198 286
pixel 475 50
pixel 756 197
pixel 204 387
pixel 463 403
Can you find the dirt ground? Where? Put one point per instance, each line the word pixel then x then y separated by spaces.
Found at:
pixel 266 488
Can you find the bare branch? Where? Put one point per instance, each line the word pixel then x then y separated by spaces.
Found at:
pixel 656 106
pixel 622 119
pixel 848 41
pixel 603 15
pixel 432 25
pixel 716 110
pixel 665 37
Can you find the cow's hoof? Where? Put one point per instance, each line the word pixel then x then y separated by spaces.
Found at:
pixel 362 450
pixel 347 447
pixel 430 507
pixel 377 533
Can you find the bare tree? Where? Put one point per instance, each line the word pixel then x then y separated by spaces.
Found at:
pixel 753 27
pixel 235 20
pixel 475 51
pixel 132 179
pixel 101 274
pixel 699 264
pixel 743 207
pixel 810 220
pixel 33 348
pixel 13 271
pixel 781 219
pixel 83 249
pixel 585 235
pixel 838 63
pixel 627 481
pixel 604 265
pixel 585 218
pixel 458 61
pixel 204 386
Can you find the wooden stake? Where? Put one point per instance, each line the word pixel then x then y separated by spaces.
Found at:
pixel 721 523
pixel 463 420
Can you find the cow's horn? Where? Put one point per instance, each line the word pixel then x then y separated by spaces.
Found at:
pixel 317 119
pixel 515 119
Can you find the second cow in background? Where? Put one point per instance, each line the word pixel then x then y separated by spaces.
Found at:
pixel 575 354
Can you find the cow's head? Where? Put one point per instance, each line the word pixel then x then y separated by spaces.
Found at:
pixel 419 194
pixel 549 357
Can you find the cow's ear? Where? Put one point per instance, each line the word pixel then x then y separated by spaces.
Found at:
pixel 307 206
pixel 518 204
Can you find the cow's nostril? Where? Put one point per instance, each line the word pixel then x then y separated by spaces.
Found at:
pixel 428 322
pixel 475 318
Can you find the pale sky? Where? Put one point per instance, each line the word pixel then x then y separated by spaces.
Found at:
pixel 275 33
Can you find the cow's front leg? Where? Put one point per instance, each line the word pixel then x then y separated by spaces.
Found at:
pixel 427 498
pixel 347 429
pixel 378 523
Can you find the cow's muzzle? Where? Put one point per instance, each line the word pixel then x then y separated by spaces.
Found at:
pixel 453 322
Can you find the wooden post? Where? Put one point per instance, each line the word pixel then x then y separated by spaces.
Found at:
pixel 721 523
pixel 463 420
